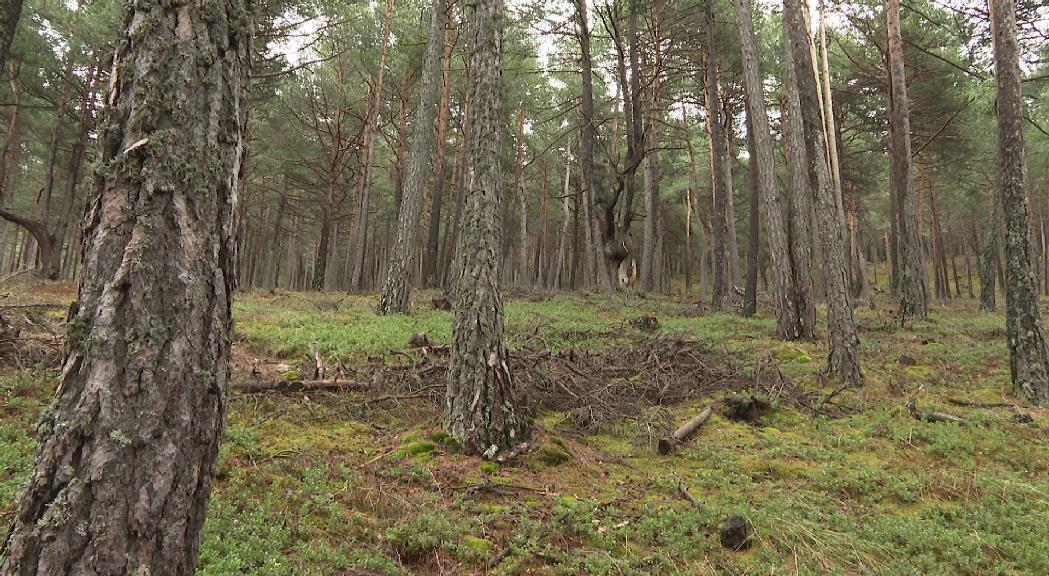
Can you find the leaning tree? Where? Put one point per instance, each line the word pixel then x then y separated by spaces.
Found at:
pixel 128 449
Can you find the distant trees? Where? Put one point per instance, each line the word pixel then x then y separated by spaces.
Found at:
pixel 1029 357
pixel 483 407
pixel 129 446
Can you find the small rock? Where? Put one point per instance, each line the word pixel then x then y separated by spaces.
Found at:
pixel 906 360
pixel 1021 418
pixel 735 533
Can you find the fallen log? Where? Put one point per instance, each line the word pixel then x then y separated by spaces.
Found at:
pixel 685 431
pixel 296 386
pixel 931 416
pixel 969 404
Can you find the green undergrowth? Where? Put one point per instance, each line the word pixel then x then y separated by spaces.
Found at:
pixel 336 485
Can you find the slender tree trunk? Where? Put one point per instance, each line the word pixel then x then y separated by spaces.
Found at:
pixel 65 225
pixel 722 292
pixel 522 205
pixel 788 315
pixel 1027 345
pixel 128 449
pixel 359 226
pixel 750 293
pixel 988 272
pixel 596 229
pixel 843 361
pixel 799 205
pixel 556 279
pixel 912 285
pixel 401 273
pixel 437 194
pixel 482 408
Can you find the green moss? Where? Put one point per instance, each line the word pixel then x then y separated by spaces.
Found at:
pixel 420 447
pixel 489 467
pixel 552 455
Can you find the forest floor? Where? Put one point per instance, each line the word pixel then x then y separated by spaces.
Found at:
pixel 361 481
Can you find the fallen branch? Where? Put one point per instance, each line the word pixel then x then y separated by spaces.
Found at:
pixel 969 404
pixel 683 490
pixel 296 386
pixel 685 431
pixel 931 416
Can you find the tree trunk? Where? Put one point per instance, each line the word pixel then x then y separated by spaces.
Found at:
pixel 434 233
pixel 722 293
pixel 128 449
pixel 522 205
pixel 481 409
pixel 911 282
pixel 788 316
pixel 8 24
pixel 750 292
pixel 401 273
pixel 595 228
pixel 989 269
pixel 799 203
pixel 1027 346
pixel 843 361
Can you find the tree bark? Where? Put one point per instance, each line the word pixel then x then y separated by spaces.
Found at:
pixel 128 449
pixel 843 361
pixel 722 292
pixel 750 291
pixel 437 193
pixel 401 273
pixel 911 260
pixel 482 408
pixel 1029 357
pixel 788 316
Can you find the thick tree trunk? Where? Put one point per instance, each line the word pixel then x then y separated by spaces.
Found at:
pixel 911 282
pixel 788 316
pixel 8 24
pixel 1027 345
pixel 401 273
pixel 722 291
pixel 482 408
pixel 128 449
pixel 843 361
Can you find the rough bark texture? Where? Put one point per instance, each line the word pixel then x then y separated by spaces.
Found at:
pixel 8 24
pixel 721 298
pixel 788 318
pixel 482 407
pixel 1029 357
pixel 911 261
pixel 128 448
pixel 799 201
pixel 750 290
pixel 843 360
pixel 401 273
pixel 433 235
pixel 651 257
pixel 988 269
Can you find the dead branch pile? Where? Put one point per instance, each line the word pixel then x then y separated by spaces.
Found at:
pixel 597 386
